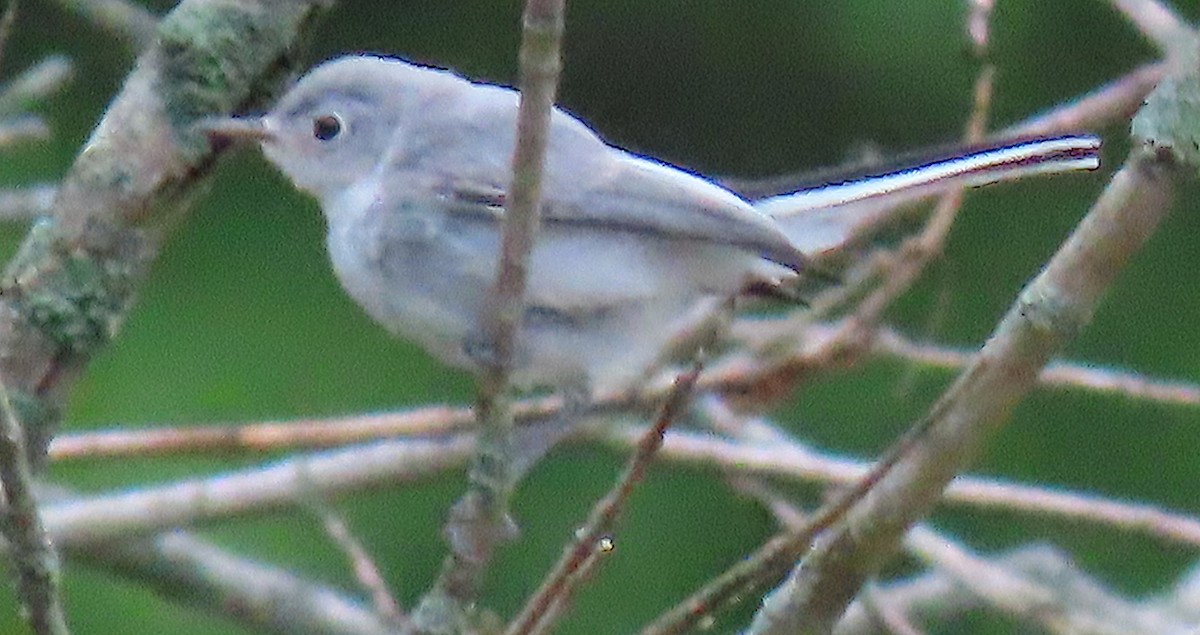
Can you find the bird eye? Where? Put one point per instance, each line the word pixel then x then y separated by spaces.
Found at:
pixel 326 127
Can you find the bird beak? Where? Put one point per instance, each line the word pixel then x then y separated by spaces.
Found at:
pixel 237 130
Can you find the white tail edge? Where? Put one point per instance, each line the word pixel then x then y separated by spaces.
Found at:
pixel 973 167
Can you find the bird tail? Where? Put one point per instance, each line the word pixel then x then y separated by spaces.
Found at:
pixel 818 218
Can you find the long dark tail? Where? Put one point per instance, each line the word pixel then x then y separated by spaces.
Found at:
pixel 1011 160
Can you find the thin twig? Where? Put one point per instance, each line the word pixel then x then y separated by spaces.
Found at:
pixel 1116 100
pixel 887 613
pixel 1043 586
pixel 262 597
pixel 124 19
pixel 977 24
pixel 26 203
pixel 1057 374
pixel 560 582
pixel 33 557
pixel 365 569
pixel 787 458
pixel 998 582
pixel 735 370
pixel 890 615
pixel 1157 22
pixel 1001 587
pixel 774 556
pixel 480 521
pixel 919 251
pixel 96 520
pixel 23 129
pixel 270 436
pixel 1049 313
pixel 103 517
pixel 35 84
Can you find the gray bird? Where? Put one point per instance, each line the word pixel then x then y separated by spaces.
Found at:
pixel 410 165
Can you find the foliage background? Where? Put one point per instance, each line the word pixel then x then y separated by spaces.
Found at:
pixel 242 320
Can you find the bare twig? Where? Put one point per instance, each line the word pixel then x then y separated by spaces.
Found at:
pixel 260 596
pixel 774 556
pixel 1037 584
pixel 1116 100
pixel 891 615
pixel 994 582
pixel 35 84
pixel 1000 583
pixel 124 441
pixel 285 482
pixel 26 203
pixel 121 18
pixel 272 435
pixel 1051 311
pixel 480 521
pixel 768 450
pixel 977 24
pixel 788 458
pixel 23 129
pixel 365 570
pixel 33 557
pixel 742 369
pixel 917 252
pixel 1157 22
pixel 104 517
pixel 560 583
pixel 1057 374
pixel 1000 587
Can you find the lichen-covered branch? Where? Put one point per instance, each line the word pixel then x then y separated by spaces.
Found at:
pixel 64 295
pixel 74 278
pixel 34 563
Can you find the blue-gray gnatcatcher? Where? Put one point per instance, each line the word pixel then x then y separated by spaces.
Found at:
pixel 410 166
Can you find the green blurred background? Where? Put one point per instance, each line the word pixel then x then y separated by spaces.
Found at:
pixel 242 321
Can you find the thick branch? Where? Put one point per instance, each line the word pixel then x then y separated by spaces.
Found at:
pixel 75 277
pixel 1047 315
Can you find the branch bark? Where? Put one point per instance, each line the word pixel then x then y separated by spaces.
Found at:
pixel 1050 312
pixel 480 521
pixel 75 277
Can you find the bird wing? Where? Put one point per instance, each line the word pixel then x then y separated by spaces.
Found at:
pixel 465 148
pixel 648 198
